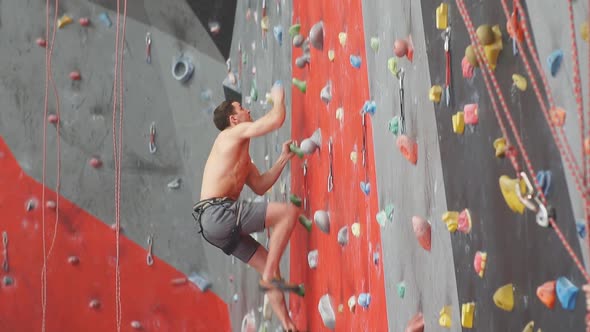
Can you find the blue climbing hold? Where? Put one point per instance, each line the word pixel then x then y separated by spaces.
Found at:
pixel 581 228
pixel 105 19
pixel 370 107
pixel 366 187
pixel 356 61
pixel 566 293
pixel 364 300
pixel 278 32
pixel 554 61
pixel 278 83
pixel 544 180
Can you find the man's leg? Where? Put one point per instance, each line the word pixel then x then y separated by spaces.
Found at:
pixel 282 218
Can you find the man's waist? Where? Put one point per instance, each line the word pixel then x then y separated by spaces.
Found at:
pixel 204 203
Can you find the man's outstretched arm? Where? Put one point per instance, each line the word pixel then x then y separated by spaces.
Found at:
pixel 261 183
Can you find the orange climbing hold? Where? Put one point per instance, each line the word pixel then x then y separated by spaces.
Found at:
pixel 408 148
pixel 557 116
pixel 514 27
pixel 416 324
pixel 546 294
pixel 422 230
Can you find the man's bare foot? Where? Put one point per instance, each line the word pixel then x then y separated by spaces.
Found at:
pixel 276 298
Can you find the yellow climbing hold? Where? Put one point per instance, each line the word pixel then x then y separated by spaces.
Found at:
pixel 458 123
pixel 63 21
pixel 342 38
pixel 435 93
pixel 492 51
pixel 504 297
pixel 444 319
pixel 340 114
pixel 392 65
pixel 485 34
pixel 331 55
pixel 500 146
pixel 442 13
pixel 470 56
pixel 451 219
pixel 356 229
pixel 519 81
pixel 529 327
pixel 508 188
pixel 264 23
pixel 467 311
pixel 585 31
pixel 354 156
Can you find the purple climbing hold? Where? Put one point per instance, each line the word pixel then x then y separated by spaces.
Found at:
pixel 316 36
pixel 554 61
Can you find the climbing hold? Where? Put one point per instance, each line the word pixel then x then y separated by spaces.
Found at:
pixel 264 22
pixel 316 36
pixel 369 107
pixel 305 222
pixel 95 162
pixel 41 42
pixel 84 21
pixel 340 114
pixel 375 43
pixel 467 311
pixel 566 293
pixel 401 289
pixel 105 19
pixel 479 263
pixel 392 66
pixel 326 309
pixel 444 319
pixel 294 30
pixel 421 228
pixel 364 300
pixel 504 297
pixel 455 220
pixel 214 27
pixel 352 303
pixel 354 157
pixel 458 123
pixel 394 125
pixel 442 13
pixel 254 90
pixel 7 281
pixel 435 93
pixel 519 82
pixel 331 55
pixel 175 184
pixel 470 114
pixel 52 118
pixel 356 229
pixel 557 115
pixel 554 61
pixel 581 228
pixel 50 205
pixel 464 221
pixel 278 33
pixel 295 200
pixel 301 85
pixel 376 258
pixel 492 50
pixel 182 68
pixel 311 144
pixel 303 60
pixel 416 324
pixel 342 38
pixel 75 76
pixel 63 21
pixel 343 236
pixel 467 68
pixel 529 327
pixel 500 147
pixel 326 93
pixel 322 219
pixel 236 297
pixel 584 31
pixel 381 218
pixel 408 147
pixel 355 61
pixel 94 304
pixel 508 188
pixel 546 293
pixel 312 259
pixel 298 41
pixel 544 180
pixel 136 325
pixel 200 281
pixel 366 187
pixel 470 56
pixel 485 34
pixel 73 260
pixel 401 48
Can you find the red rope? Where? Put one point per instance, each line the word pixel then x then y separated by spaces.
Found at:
pixel 484 64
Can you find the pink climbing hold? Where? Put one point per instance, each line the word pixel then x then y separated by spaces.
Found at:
pixel 52 118
pixel 403 47
pixel 464 221
pixel 422 230
pixel 416 324
pixel 84 21
pixel 479 263
pixel 470 114
pixel 41 42
pixel 467 68
pixel 50 205
pixel 75 76
pixel 408 147
pixel 95 162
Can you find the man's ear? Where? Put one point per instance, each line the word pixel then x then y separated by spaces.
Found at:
pixel 232 118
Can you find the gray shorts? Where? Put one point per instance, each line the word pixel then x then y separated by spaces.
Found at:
pixel 219 226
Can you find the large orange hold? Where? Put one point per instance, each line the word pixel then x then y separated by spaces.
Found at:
pixel 408 147
pixel 416 324
pixel 422 231
pixel 546 293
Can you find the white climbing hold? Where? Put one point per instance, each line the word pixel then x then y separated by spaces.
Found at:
pixel 312 259
pixel 326 309
pixel 316 35
pixel 331 55
pixel 356 229
pixel 322 219
pixel 200 281
pixel 342 38
pixel 174 184
pixel 352 303
pixel 340 114
pixel 309 145
pixel 343 236
pixel 326 93
pixel 136 325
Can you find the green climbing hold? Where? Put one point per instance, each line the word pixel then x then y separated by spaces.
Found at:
pixel 394 126
pixel 392 66
pixel 301 85
pixel 296 150
pixel 244 58
pixel 294 30
pixel 389 211
pixel 295 200
pixel 401 289
pixel 300 290
pixel 305 222
pixel 375 44
pixel 254 91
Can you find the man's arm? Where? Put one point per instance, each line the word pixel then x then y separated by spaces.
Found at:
pixel 261 183
pixel 272 120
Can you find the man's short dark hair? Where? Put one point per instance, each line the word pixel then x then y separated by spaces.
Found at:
pixel 222 113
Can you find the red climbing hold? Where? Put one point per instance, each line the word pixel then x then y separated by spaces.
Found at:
pixel 422 231
pixel 52 118
pixel 416 324
pixel 41 42
pixel 95 162
pixel 408 148
pixel 403 47
pixel 84 21
pixel 546 293
pixel 75 76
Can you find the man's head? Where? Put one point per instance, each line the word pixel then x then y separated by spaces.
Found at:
pixel 229 114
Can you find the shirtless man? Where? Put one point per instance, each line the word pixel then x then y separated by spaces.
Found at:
pixel 225 221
